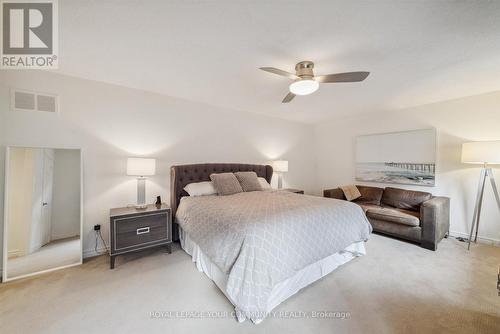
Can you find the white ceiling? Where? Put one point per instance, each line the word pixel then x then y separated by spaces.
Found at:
pixel 209 51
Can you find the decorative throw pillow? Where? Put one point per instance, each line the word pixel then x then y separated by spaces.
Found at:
pixel 226 184
pixel 200 189
pixel 248 181
pixel 351 192
pixel 264 184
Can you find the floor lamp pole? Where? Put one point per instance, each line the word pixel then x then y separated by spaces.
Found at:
pixel 486 172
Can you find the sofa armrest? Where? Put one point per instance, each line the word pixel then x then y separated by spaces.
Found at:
pixel 435 221
pixel 336 193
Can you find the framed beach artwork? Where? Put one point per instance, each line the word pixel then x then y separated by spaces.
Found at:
pixel 407 157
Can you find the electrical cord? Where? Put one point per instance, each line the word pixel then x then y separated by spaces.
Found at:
pixel 103 242
pixel 97 235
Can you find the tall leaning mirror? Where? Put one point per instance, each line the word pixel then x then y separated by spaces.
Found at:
pixel 43 211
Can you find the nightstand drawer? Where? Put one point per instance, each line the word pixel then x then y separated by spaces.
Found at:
pixel 140 230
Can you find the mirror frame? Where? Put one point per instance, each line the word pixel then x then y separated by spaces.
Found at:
pixel 5 277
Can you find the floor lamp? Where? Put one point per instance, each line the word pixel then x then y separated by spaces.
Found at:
pixel 485 153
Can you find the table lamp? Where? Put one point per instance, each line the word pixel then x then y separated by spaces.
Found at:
pixel 280 166
pixel 484 153
pixel 141 168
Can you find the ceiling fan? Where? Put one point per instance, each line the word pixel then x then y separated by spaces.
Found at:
pixel 305 82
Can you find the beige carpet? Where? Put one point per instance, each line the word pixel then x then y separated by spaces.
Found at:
pixel 396 288
pixel 55 254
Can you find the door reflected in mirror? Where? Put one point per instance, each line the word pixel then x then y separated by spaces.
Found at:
pixel 42 211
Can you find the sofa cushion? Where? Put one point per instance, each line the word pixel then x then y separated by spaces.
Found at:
pixel 413 233
pixel 369 195
pixel 397 216
pixel 404 199
pixel 366 207
pixel 336 193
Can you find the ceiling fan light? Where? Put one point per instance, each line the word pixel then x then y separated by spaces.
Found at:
pixel 304 87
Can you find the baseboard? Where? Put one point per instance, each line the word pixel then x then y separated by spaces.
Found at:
pixel 14 253
pixel 480 239
pixel 91 252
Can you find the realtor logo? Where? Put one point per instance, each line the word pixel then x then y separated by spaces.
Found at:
pixel 29 34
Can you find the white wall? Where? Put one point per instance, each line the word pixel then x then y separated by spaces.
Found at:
pixel 111 123
pixel 65 221
pixel 457 121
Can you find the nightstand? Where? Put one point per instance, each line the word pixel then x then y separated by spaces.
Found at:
pixel 133 230
pixel 297 191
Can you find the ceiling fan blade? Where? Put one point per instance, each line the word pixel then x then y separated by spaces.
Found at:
pixel 342 77
pixel 289 97
pixel 279 72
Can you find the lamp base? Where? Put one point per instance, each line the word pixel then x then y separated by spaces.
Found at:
pixel 486 172
pixel 141 193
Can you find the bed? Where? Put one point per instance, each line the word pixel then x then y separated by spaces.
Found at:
pixel 262 247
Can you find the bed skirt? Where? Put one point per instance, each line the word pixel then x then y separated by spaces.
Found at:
pixel 282 290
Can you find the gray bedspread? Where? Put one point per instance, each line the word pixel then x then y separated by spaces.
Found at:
pixel 264 237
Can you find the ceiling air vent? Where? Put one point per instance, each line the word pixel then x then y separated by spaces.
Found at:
pixel 22 100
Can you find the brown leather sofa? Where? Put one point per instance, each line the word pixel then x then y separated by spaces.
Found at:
pixel 412 215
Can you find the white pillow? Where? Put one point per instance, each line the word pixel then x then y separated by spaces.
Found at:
pixel 264 184
pixel 200 189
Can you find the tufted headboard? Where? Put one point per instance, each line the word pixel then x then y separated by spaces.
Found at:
pixel 182 175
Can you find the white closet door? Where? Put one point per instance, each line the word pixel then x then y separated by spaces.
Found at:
pixel 37 227
pixel 43 175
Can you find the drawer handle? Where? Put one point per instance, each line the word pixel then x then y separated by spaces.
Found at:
pixel 142 230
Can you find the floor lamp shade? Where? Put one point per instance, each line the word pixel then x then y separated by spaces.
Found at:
pixel 485 153
pixel 481 152
pixel 141 167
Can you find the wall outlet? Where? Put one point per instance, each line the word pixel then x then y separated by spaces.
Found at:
pixel 97 227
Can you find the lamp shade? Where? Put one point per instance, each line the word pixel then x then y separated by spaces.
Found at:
pixel 141 166
pixel 481 152
pixel 280 166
